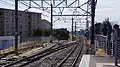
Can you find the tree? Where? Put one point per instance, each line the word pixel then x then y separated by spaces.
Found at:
pixel 107 28
pixel 46 32
pixel 104 28
pixel 37 32
pixel 98 28
pixel 61 34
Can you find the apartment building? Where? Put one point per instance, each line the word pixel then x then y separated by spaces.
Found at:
pixel 45 24
pixel 28 21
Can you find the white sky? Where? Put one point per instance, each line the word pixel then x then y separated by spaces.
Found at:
pixel 108 8
pixel 104 8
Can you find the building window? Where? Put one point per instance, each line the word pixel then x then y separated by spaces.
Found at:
pixel 1 13
pixel 20 26
pixel 13 33
pixel 6 20
pixel 1 21
pixel 6 14
pixel 13 20
pixel 7 26
pixel 12 13
pixel 20 33
pixel 1 29
pixel 13 26
pixel 7 32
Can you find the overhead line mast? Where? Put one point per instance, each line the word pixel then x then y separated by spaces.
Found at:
pixel 56 4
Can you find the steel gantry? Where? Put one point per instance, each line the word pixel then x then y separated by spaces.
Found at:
pixel 61 8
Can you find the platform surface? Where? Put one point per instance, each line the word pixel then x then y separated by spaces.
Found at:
pixel 97 61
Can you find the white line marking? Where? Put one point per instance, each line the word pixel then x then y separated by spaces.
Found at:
pixel 85 61
pixel 101 64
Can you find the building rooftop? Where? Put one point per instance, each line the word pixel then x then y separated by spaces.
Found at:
pixel 19 10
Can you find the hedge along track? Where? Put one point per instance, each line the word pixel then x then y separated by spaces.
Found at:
pixel 27 60
pixel 71 59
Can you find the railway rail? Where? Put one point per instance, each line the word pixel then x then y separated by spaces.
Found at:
pixel 21 49
pixel 71 59
pixel 24 48
pixel 25 61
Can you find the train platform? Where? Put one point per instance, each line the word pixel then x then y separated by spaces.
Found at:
pixel 97 61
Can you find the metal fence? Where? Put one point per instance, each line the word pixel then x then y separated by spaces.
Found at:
pixel 7 43
pixel 100 42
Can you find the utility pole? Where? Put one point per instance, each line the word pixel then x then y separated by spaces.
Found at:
pixel 87 23
pixel 16 27
pixel 72 29
pixel 92 25
pixel 51 23
pixel 75 28
pixel 87 30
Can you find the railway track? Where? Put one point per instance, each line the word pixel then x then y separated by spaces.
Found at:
pixel 35 57
pixel 20 50
pixel 73 58
pixel 24 48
